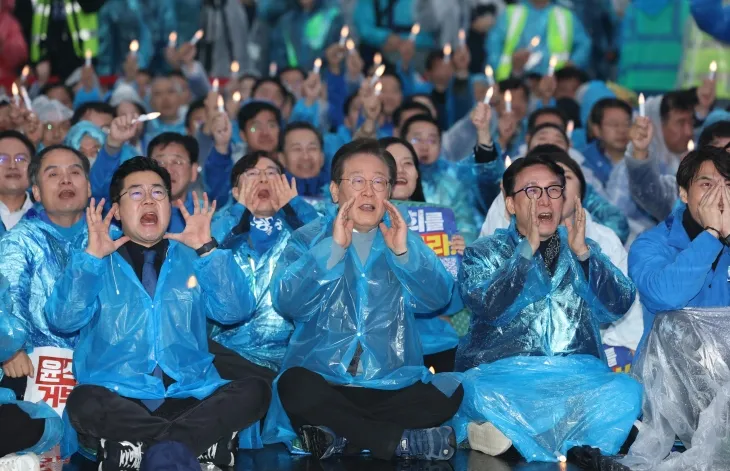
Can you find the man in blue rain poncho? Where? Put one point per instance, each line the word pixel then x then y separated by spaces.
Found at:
pixel 351 282
pixel 16 151
pixel 535 373
pixel 139 302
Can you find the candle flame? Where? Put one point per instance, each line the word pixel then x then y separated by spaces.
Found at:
pixel 15 89
pixel 378 58
pixel 317 63
pixel 236 96
pixel 345 31
pixel 216 84
pixel 490 93
pixel 713 66
pixel 134 46
pixel 641 98
pixel 192 282
pixel 199 35
pixel 508 96
pixel 534 42
pixel 447 50
pixel 570 128
pixel 416 29
pixel 272 69
pixel 173 37
pixel 553 61
pixel 432 370
pixel 380 70
pixel 690 146
pixel 220 102
pixel 235 67
pixel 26 71
pixel 488 71
pixel 350 44
pixel 87 54
pixel 378 88
pixel 562 458
pixel 462 35
pixel 507 162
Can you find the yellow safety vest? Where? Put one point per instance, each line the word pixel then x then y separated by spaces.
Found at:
pixel 83 28
pixel 559 36
pixel 699 50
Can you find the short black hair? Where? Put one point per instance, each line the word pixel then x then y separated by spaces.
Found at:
pixel 291 98
pixel 135 165
pixel 140 108
pixel 691 163
pixel 719 130
pixel 167 138
pixel 13 134
pixel 389 141
pixel 548 126
pixel 194 106
pixel 251 109
pixel 432 57
pixel 249 161
pixel 514 84
pixel 51 86
pixel 531 160
pixel 571 72
pixel 362 146
pixel 537 114
pixel 303 125
pixel 34 169
pixel 293 69
pixel 391 72
pixel 419 118
pixel 265 80
pixel 348 103
pixel 97 106
pixel 408 105
pixel 599 109
pixel 559 156
pixel 678 100
pixel 570 109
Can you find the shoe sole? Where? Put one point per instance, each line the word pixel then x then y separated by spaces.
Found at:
pixel 488 439
pixel 316 441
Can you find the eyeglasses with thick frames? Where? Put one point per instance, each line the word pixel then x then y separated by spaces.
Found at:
pixel 553 192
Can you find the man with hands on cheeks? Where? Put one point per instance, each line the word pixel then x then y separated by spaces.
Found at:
pixel 351 282
pixel 139 300
pixel 539 292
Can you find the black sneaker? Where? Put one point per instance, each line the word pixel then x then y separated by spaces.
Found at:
pixel 437 443
pixel 119 456
pixel 222 453
pixel 586 457
pixel 321 441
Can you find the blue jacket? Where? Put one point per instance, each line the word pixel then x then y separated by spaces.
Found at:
pixel 125 334
pixel 520 310
pixel 375 34
pixel 672 272
pixel 264 338
pixel 712 17
pixel 459 103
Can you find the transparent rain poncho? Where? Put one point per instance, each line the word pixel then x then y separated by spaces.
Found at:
pixel 685 368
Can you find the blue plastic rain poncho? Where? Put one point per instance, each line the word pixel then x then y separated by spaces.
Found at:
pixel 713 17
pixel 530 332
pixel 263 338
pixel 336 309
pixel 32 257
pixel 124 333
pixel 81 129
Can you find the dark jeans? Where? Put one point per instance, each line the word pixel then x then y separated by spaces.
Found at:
pixel 442 362
pixel 97 412
pixel 371 419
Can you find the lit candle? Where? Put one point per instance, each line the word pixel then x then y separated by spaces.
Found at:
pixel 447 53
pixel 378 88
pixel 432 370
pixel 350 46
pixel 561 457
pixel 534 42
pixel 690 146
pixel 489 72
pixel 488 95
pixel 553 63
pixel 273 69
pixel 235 67
pixel 172 40
pixel 87 58
pixel 507 162
pixel 377 59
pixel 237 97
pixel 508 101
pixel 146 117
pixel 197 37
pixel 16 96
pixel 317 65
pixel 414 32
pixel 216 85
pixel 378 73
pixel 570 128
pixel 713 70
pixel 26 98
pixel 133 48
pixel 344 33
pixel 462 38
pixel 25 73
pixel 221 104
pixel 642 108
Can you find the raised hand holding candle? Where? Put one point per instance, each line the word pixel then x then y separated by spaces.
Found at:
pixel 508 101
pixel 378 73
pixel 344 34
pixel 713 70
pixel 25 73
pixel 197 37
pixel 447 53
pixel 26 98
pixel 221 104
pixel 146 117
pixel 552 65
pixel 133 48
pixel 462 38
pixel 350 46
pixel 414 32
pixel 488 95
pixel 489 73
pixel 317 65
pixel 16 95
pixel 172 40
pixel 642 107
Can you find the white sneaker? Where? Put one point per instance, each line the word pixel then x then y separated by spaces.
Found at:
pixel 27 462
pixel 486 438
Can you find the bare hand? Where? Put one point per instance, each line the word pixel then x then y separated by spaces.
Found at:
pixel 577 230
pixel 481 117
pixel 533 228
pixel 334 55
pixel 706 94
pixel 33 128
pixel 222 132
pixel 100 242
pixel 312 88
pixel 197 225
pixel 392 44
pixel 342 231
pixel 725 229
pixel 546 88
pixel 708 210
pixel 186 53
pixel 43 71
pixel 88 76
pixel 396 236
pixel 355 65
pixel 641 134
pixel 458 245
pixel 519 59
pixel 247 195
pixel 172 57
pixel 122 130
pixel 19 366
pixel 130 67
pixel 283 191
pixel 407 50
pixel 372 105
pixel 507 127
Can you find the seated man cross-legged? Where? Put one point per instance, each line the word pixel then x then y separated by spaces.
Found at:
pixel 139 301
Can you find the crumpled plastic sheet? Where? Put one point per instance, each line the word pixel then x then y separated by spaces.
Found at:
pixel 548 405
pixel 684 368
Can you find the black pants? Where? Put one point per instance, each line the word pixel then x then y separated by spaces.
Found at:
pixel 442 362
pixel 232 366
pixel 371 419
pixel 17 430
pixel 97 412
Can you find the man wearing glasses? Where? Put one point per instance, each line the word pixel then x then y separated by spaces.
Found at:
pixel 351 282
pixel 16 151
pixel 539 293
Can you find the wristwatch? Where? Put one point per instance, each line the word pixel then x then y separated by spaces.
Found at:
pixel 207 247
